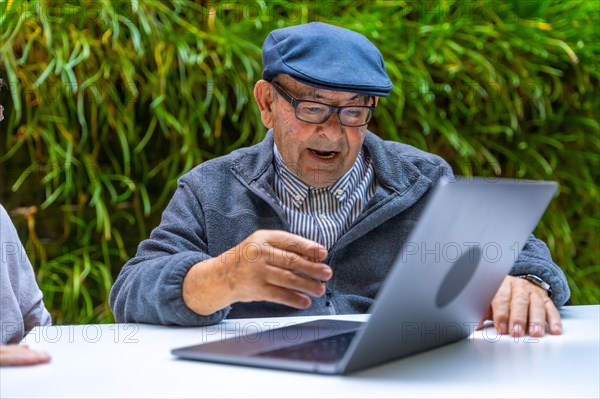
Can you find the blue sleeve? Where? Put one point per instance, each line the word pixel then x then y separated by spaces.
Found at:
pixel 149 287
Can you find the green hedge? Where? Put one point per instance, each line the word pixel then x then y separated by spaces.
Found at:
pixel 108 102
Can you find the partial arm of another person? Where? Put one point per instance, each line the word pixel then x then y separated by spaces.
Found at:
pixel 20 298
pixel 21 355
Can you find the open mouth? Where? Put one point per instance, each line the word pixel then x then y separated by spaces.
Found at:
pixel 324 154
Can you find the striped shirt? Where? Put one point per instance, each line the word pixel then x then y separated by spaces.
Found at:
pixel 324 214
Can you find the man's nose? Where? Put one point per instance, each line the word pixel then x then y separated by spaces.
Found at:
pixel 332 128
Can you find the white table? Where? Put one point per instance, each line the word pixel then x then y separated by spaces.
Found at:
pixel 133 360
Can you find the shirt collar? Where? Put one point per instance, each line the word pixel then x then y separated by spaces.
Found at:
pixel 297 190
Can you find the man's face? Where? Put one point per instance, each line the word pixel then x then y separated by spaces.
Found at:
pixel 319 154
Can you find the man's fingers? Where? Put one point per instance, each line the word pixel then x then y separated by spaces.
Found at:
pixel 288 242
pixel 293 281
pixel 501 307
pixel 286 297
pixel 537 316
pixel 519 309
pixel 296 263
pixel 486 316
pixel 553 318
pixel 276 266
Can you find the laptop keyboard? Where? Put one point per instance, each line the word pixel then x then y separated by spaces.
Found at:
pixel 330 349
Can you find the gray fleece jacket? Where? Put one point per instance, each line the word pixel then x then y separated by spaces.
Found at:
pixel 222 201
pixel 22 306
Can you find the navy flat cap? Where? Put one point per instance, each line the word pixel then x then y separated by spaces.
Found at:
pixel 327 57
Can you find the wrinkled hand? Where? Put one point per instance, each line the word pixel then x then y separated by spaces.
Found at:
pixel 269 265
pixel 521 307
pixel 21 355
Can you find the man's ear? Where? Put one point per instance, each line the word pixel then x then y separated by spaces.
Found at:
pixel 263 94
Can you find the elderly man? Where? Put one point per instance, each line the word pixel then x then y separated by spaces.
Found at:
pixel 309 221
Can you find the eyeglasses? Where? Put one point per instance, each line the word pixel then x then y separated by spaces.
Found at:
pixel 316 112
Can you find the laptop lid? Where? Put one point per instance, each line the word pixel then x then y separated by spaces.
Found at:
pixel 465 242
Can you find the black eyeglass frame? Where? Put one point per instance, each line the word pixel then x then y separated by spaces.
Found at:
pixel 295 103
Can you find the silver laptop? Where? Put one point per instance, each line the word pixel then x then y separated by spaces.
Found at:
pixel 443 279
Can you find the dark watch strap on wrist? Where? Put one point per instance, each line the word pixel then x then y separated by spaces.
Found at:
pixel 537 281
